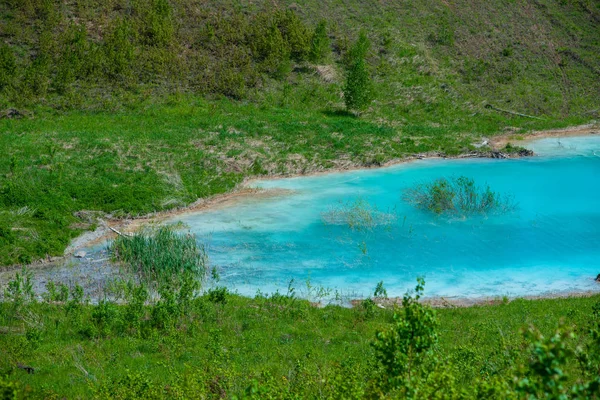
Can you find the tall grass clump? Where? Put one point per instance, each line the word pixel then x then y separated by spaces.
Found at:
pixel 358 215
pixel 458 195
pixel 161 255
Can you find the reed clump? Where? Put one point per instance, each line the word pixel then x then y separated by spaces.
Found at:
pixel 358 215
pixel 161 254
pixel 458 195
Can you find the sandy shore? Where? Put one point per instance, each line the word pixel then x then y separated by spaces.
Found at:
pixel 498 142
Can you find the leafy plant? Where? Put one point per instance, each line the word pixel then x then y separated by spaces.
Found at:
pixel 402 350
pixel 20 289
pixel 359 215
pixel 457 195
pixel 358 91
pixel 8 66
pixel 320 47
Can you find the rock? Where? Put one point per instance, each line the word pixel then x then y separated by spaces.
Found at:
pixel 598 278
pixel 80 254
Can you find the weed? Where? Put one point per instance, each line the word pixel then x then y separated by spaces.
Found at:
pixel 457 195
pixel 161 255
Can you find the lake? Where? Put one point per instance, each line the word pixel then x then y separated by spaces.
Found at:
pixel 550 243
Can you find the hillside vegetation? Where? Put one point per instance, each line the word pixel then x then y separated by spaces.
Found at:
pixel 216 346
pixel 132 106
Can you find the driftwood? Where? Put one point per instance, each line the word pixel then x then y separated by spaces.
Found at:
pixel 511 112
pixel 30 370
pixel 120 233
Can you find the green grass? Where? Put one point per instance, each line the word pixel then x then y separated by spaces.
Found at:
pixel 216 346
pixel 161 254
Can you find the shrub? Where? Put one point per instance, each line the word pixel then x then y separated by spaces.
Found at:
pixel 270 49
pixel 158 27
pixel 296 34
pixel 358 90
pixel 161 255
pixel 320 46
pixel 358 215
pixel 401 350
pixel 119 50
pixel 20 289
pixel 8 66
pixel 8 389
pixel 457 195
pixel 358 51
pixel 74 58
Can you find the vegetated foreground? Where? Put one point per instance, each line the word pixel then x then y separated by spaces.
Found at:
pixel 125 108
pixel 220 345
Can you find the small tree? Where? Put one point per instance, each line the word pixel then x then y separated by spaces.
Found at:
pixel 8 66
pixel 320 45
pixel 357 90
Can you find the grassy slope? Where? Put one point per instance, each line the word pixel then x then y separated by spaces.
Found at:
pixel 141 148
pixel 300 346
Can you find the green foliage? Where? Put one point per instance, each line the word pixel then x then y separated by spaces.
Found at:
pixel 320 46
pixel 8 67
pixel 359 215
pixel 457 195
pixel 280 346
pixel 546 378
pixel 20 289
pixel 380 291
pixel 161 254
pixel 403 350
pixel 8 389
pixel 271 50
pixel 119 50
pixel 296 34
pixel 359 50
pixel 358 90
pixel 157 23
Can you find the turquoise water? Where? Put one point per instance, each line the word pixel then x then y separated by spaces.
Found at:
pixel 550 243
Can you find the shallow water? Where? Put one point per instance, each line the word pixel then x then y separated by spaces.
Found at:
pixel 550 243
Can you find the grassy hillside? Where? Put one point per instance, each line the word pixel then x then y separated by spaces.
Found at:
pixel 539 57
pixel 128 107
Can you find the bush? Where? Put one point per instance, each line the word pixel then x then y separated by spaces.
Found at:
pixel 359 215
pixel 403 348
pixel 119 50
pixel 269 48
pixel 296 34
pixel 320 46
pixel 158 27
pixel 8 66
pixel 457 195
pixel 358 51
pixel 358 90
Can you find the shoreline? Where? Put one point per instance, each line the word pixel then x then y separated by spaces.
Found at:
pixel 244 191
pixel 464 302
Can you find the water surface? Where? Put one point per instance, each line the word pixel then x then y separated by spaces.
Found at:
pixel 551 243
